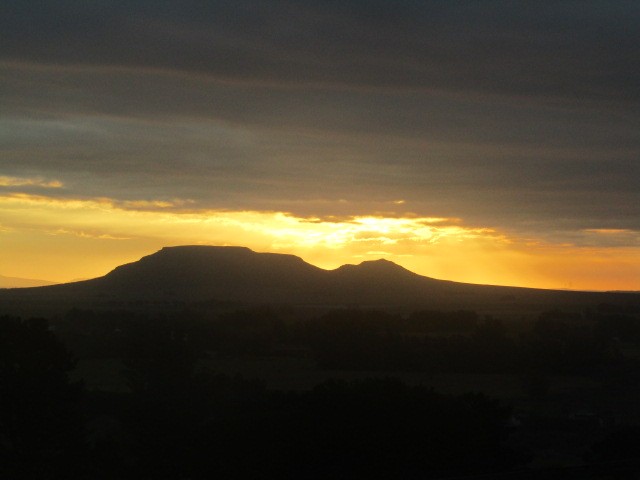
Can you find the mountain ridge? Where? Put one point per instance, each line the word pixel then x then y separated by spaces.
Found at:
pixel 193 274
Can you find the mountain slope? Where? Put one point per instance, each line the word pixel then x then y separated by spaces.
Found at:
pixel 196 274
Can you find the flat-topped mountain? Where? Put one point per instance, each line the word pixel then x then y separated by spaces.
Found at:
pixel 238 274
pixel 193 272
pixel 200 274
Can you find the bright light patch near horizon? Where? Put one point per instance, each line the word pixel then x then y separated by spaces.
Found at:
pixel 62 239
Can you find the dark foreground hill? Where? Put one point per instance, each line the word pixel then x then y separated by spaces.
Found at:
pixel 206 275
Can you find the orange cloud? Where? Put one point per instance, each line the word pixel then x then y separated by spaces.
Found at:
pixel 65 238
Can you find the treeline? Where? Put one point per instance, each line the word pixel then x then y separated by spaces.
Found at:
pixel 432 341
pixel 180 422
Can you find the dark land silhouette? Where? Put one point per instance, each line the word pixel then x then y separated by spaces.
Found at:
pixel 201 275
pixel 205 362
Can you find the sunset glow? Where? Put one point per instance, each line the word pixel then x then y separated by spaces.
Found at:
pixel 63 239
pixel 450 137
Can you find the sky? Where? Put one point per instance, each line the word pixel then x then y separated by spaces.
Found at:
pixel 492 142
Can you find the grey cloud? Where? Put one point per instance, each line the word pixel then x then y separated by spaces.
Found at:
pixel 520 115
pixel 585 49
pixel 233 166
pixel 427 116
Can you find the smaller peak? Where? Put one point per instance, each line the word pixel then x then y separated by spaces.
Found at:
pixel 380 265
pixel 380 261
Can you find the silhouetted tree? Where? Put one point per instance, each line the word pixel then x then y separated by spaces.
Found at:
pixel 41 429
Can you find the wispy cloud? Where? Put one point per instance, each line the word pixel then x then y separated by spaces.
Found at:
pixel 152 204
pixel 6 181
pixel 85 234
pixel 622 237
pixel 611 231
pixel 62 202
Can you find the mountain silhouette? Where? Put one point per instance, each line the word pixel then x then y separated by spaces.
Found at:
pixel 197 274
pixel 201 272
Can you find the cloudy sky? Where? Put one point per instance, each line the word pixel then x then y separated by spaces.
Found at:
pixel 489 142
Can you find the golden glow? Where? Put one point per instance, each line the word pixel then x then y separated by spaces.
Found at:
pixel 62 239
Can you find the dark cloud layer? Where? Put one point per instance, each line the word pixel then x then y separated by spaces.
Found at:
pixel 522 115
pixel 572 49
